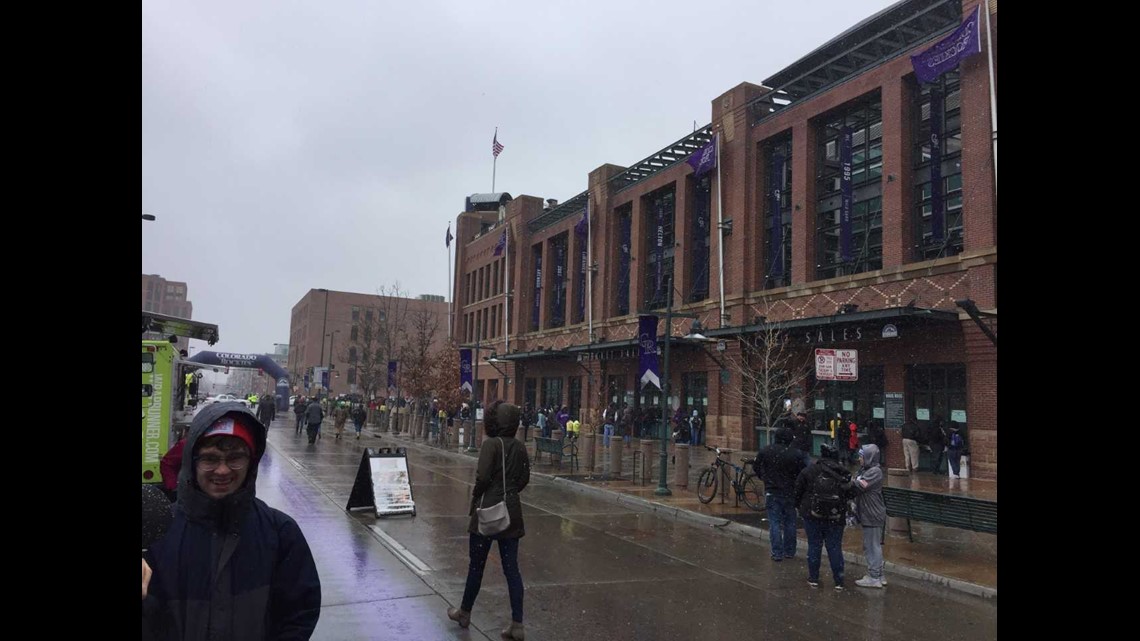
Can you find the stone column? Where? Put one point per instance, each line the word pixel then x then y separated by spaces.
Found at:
pixel 616 450
pixel 647 450
pixel 587 449
pixel 557 434
pixel 681 465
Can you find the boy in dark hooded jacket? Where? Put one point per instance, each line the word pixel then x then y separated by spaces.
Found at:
pixel 230 566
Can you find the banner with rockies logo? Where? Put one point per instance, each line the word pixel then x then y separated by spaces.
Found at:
pixel 465 381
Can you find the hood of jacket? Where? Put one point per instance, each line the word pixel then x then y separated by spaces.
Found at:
pixel 198 506
pixel 870 454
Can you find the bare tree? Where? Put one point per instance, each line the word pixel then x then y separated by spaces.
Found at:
pixel 771 369
pixel 378 334
pixel 444 381
pixel 417 362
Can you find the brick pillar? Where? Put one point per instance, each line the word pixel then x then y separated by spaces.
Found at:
pixel 804 137
pixel 981 401
pixel 898 177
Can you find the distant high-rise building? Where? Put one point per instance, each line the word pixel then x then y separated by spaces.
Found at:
pixel 166 297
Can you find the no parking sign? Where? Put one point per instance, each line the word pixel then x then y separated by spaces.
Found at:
pixel 837 364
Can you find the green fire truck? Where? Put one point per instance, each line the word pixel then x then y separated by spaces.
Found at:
pixel 164 369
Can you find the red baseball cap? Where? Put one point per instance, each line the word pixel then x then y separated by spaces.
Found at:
pixel 230 426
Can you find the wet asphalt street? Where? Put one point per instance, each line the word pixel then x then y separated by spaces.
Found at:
pixel 593 569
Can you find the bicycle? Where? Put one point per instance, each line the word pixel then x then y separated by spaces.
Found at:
pixel 748 487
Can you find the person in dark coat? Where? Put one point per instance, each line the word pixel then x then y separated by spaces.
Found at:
pixel 801 436
pixel 936 441
pixel 299 412
pixel 230 566
pixel 878 436
pixel 313 417
pixel 778 465
pixel 824 519
pixel 500 423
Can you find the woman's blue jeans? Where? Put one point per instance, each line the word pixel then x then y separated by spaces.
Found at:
pixel 480 546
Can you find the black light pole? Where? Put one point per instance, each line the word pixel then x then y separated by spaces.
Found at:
pixel 662 486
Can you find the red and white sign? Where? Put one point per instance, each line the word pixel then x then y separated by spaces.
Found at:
pixel 837 364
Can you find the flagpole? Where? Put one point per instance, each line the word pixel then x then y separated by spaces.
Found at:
pixel 451 290
pixel 993 98
pixel 494 162
pixel 720 226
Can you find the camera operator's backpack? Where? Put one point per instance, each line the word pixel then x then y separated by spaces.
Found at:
pixel 827 500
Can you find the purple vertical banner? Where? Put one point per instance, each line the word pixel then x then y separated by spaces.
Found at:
pixel 660 249
pixel 776 246
pixel 702 202
pixel 465 382
pixel 537 285
pixel 846 193
pixel 580 229
pixel 937 111
pixel 623 271
pixel 647 348
pixel 391 375
pixel 560 280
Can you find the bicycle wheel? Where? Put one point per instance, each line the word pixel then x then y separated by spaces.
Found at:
pixel 753 494
pixel 707 484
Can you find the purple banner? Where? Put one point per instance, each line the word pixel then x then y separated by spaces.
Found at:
pixel 465 382
pixel 702 202
pixel 499 246
pixel 647 347
pixel 962 43
pixel 560 279
pixel 391 374
pixel 580 228
pixel 660 248
pixel 623 270
pixel 537 285
pixel 776 246
pixel 937 111
pixel 845 191
pixel 703 159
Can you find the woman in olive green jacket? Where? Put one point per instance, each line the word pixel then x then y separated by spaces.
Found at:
pixel 500 425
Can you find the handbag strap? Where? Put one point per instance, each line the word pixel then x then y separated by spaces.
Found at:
pixel 483 500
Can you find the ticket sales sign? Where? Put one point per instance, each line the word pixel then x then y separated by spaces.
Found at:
pixel 837 364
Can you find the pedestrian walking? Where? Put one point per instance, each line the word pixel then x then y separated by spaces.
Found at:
pixel 313 417
pixel 696 428
pixel 955 449
pixel 299 412
pixel 503 472
pixel 340 417
pixel 358 416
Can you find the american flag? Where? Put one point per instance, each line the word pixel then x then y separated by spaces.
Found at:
pixel 496 148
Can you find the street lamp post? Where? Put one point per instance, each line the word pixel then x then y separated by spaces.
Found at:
pixel 662 485
pixel 332 337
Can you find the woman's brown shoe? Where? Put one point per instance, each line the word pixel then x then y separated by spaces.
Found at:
pixel 462 617
pixel 514 632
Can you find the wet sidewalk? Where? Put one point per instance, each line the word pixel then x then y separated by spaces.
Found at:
pixel 957 558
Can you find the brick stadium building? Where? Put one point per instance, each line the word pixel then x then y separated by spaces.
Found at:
pixel 915 293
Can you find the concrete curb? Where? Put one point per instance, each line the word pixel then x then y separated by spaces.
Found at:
pixel 732 528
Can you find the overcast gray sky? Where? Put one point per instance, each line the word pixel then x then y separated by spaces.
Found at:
pixel 291 145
